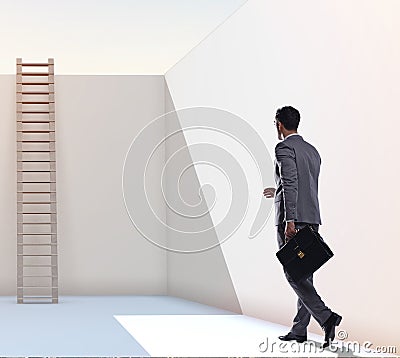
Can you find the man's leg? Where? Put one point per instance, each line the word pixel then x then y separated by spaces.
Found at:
pixel 302 318
pixel 306 293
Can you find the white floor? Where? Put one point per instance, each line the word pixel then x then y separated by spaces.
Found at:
pixel 140 326
pixel 224 336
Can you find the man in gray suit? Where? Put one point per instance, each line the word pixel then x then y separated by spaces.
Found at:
pixel 297 165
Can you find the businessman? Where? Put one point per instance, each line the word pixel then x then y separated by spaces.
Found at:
pixel 297 165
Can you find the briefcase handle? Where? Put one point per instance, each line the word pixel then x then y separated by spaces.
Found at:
pixel 294 237
pixel 286 240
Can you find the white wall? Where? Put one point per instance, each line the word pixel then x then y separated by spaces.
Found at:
pixel 214 285
pixel 338 63
pixel 8 187
pixel 100 251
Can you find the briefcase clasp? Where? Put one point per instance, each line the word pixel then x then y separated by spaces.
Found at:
pixel 300 254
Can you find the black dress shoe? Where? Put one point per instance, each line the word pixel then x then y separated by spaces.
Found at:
pixel 329 328
pixel 293 337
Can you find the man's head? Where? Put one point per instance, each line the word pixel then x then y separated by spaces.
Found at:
pixel 287 120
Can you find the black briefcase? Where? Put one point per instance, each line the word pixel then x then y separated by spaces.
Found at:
pixel 304 254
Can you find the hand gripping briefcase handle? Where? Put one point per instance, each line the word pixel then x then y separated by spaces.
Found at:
pixel 304 254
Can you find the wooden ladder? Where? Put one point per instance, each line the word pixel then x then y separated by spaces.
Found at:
pixel 37 267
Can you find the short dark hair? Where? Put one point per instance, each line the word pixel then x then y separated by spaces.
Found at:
pixel 289 117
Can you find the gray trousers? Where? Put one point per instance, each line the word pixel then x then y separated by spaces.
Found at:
pixel 309 303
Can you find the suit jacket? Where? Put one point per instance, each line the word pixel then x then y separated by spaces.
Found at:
pixel 297 165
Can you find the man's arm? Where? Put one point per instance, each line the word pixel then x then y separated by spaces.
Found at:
pixel 285 157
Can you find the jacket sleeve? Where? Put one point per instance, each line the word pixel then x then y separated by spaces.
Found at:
pixel 286 160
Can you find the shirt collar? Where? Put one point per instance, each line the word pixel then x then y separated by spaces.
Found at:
pixel 291 135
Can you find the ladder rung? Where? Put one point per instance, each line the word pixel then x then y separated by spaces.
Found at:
pixel 47 276
pixel 35 92
pixel 35 161
pixel 39 265
pixel 35 102
pixel 36 213
pixel 36 223
pixel 37 111
pixel 36 192
pixel 32 64
pixel 33 112
pixel 36 151
pixel 37 244
pixel 36 130
pixel 35 182
pixel 35 121
pixel 31 301
pixel 36 202
pixel 37 255
pixel 36 298
pixel 35 141
pixel 35 171
pixel 35 74
pixel 35 83
pixel 40 287
pixel 36 233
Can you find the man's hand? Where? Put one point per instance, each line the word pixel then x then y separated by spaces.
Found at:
pixel 269 192
pixel 290 230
